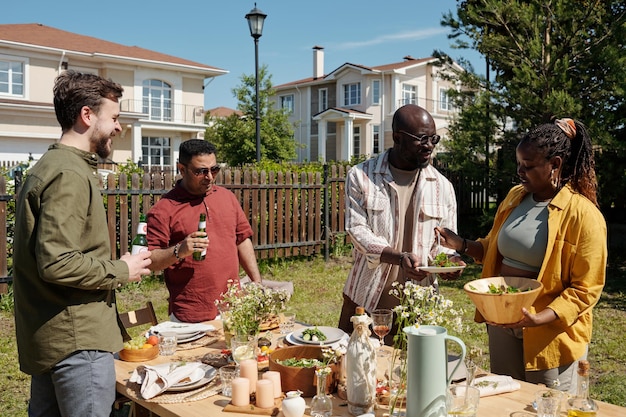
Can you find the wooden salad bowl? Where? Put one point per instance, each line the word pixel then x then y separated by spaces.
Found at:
pixel 297 378
pixel 505 308
pixel 139 355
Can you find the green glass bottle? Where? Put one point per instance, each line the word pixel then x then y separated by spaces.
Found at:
pixel 140 242
pixel 199 256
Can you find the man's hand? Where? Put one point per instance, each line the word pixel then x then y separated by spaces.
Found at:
pixel 137 265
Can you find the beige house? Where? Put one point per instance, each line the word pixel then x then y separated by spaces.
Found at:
pixel 348 111
pixel 162 104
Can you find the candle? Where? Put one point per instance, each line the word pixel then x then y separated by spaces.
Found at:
pixel 264 393
pixel 249 368
pixel 274 376
pixel 240 395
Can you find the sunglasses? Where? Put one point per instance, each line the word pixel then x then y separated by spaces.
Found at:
pixel 205 171
pixel 424 139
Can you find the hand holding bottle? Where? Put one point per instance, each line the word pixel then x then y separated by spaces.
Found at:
pixel 137 264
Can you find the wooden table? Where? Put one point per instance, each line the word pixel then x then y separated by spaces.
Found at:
pixel 513 404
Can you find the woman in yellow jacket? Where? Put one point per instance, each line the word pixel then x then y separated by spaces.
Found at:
pixel 548 228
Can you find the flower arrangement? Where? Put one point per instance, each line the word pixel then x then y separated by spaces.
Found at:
pixel 418 305
pixel 244 307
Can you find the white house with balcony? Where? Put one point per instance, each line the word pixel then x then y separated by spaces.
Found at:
pixel 162 104
pixel 348 111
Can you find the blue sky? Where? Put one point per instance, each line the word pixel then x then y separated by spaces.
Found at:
pixel 216 33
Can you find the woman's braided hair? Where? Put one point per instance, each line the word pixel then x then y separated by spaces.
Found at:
pixel 578 167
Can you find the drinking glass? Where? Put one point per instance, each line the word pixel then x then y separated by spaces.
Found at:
pixel 382 320
pixel 462 400
pixel 287 322
pixel 548 402
pixel 227 374
pixel 167 343
pixel 243 347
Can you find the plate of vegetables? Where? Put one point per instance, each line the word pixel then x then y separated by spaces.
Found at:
pixel 441 265
pixel 318 335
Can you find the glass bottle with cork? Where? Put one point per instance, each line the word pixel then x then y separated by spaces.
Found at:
pixel 199 256
pixel 582 405
pixel 360 366
pixel 140 242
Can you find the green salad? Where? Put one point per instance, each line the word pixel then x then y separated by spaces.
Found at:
pixel 443 261
pixel 313 334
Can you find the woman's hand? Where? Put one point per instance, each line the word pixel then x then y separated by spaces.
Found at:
pixel 449 239
pixel 531 320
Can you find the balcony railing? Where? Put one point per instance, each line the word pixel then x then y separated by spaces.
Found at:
pixel 176 113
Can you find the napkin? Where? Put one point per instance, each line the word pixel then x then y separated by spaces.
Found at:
pixel 495 384
pixel 156 379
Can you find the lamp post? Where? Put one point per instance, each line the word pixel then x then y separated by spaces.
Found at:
pixel 255 21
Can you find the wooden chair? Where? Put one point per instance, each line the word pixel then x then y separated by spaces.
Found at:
pixel 130 319
pixel 138 317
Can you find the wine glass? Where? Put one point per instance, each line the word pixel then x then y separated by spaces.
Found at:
pixel 382 320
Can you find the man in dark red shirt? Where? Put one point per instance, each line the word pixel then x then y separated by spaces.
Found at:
pixel 173 236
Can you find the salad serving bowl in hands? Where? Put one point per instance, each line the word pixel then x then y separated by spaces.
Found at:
pixel 500 299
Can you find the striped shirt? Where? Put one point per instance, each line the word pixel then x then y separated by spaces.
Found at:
pixel 372 213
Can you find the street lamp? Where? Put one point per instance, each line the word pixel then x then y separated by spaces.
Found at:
pixel 255 21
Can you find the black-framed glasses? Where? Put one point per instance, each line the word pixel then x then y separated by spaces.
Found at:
pixel 205 171
pixel 424 139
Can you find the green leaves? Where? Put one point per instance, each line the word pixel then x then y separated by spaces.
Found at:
pixel 235 136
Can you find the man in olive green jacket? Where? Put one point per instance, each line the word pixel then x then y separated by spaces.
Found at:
pixel 65 313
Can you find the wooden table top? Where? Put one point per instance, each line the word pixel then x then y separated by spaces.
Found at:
pixel 512 404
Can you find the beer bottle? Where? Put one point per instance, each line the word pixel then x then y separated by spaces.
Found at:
pixel 199 256
pixel 140 242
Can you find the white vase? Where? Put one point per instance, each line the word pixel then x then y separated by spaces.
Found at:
pixel 293 404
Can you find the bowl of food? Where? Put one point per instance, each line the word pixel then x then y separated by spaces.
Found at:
pixel 500 299
pixel 140 349
pixel 296 365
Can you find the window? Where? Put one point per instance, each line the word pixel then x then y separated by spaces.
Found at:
pixel 356 141
pixel 352 94
pixel 286 102
pixel 409 94
pixel 376 92
pixel 377 145
pixel 444 100
pixel 156 152
pixel 12 77
pixel 323 99
pixel 157 100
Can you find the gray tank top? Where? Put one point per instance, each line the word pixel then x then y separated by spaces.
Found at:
pixel 524 235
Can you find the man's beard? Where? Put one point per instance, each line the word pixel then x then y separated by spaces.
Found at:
pixel 101 144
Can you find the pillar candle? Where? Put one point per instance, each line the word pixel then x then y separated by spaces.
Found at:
pixel 240 396
pixel 249 368
pixel 274 376
pixel 264 393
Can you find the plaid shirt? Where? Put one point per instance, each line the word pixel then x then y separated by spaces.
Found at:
pixel 372 215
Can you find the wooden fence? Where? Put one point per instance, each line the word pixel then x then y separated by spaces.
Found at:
pixel 291 214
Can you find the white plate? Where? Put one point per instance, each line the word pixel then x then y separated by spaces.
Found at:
pixel 333 335
pixel 201 376
pixel 441 269
pixel 182 330
pixel 194 336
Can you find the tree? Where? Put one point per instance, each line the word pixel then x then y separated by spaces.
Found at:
pixel 235 136
pixel 551 58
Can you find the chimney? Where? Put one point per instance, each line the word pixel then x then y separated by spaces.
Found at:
pixel 318 62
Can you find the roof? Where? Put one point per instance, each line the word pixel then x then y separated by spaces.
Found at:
pixel 224 112
pixel 40 35
pixel 408 62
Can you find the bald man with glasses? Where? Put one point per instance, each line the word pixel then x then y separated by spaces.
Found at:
pixel 394 201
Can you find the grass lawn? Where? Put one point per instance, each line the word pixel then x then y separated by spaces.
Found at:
pixel 317 300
